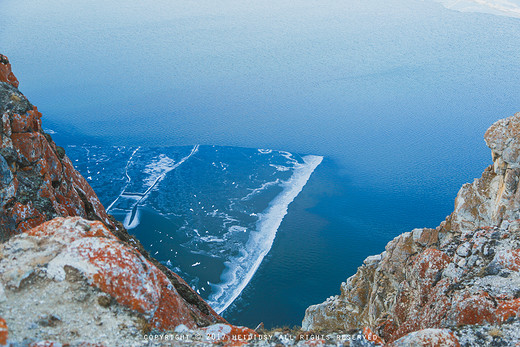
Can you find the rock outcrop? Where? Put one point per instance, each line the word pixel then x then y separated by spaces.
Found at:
pixel 69 272
pixel 72 280
pixel 460 277
pixel 37 179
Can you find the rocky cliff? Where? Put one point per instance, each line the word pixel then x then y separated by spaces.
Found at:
pixel 37 179
pixel 458 283
pixel 70 272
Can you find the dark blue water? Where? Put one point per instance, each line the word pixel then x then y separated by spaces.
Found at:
pixel 396 96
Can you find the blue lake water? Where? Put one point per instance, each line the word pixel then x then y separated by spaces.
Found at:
pixel 394 95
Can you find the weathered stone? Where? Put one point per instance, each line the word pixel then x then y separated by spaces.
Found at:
pixel 503 138
pixel 2 293
pixel 509 259
pixel 6 176
pixel 464 250
pixel 428 337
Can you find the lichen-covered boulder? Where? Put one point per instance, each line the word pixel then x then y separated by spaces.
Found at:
pixel 69 271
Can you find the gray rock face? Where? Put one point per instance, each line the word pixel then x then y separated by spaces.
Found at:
pixel 6 177
pixel 503 138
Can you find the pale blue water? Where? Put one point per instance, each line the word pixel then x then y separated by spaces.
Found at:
pixel 396 96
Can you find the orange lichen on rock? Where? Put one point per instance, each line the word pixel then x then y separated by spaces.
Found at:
pixel 430 261
pixel 70 229
pixel 421 301
pixel 29 145
pixel 482 308
pixel 6 74
pixel 507 309
pixel 26 216
pixel 27 122
pixel 475 309
pixel 387 328
pixel 115 269
pixel 120 272
pixel 3 332
pixel 239 336
pixel 170 301
pixel 509 259
pixel 370 336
